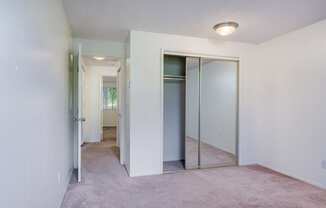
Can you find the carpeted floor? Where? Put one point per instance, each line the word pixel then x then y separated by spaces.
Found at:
pixel 173 166
pixel 106 185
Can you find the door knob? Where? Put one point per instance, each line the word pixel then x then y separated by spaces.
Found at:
pixel 80 119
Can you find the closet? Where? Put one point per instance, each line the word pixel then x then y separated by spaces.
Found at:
pixel 174 112
pixel 200 112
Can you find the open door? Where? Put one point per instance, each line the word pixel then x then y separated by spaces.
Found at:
pixel 79 114
pixel 120 136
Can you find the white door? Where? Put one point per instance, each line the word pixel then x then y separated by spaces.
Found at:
pixel 118 112
pixel 120 121
pixel 80 114
pixel 118 115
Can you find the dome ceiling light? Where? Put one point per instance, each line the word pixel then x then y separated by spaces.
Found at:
pixel 99 58
pixel 225 28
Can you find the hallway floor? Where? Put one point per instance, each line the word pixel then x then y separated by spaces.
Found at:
pixel 106 185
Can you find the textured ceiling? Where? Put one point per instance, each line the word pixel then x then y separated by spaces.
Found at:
pixel 259 20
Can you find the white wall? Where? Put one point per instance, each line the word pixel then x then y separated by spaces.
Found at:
pixel 288 104
pixel 100 48
pixel 110 117
pixel 146 140
pixel 36 158
pixel 93 101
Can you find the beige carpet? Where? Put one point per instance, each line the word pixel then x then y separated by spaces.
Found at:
pixel 173 166
pixel 106 185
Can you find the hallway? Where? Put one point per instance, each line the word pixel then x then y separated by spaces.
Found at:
pixel 106 185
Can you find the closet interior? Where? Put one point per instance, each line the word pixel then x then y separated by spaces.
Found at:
pixel 174 112
pixel 200 112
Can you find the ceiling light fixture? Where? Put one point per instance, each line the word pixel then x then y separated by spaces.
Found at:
pixel 99 58
pixel 225 28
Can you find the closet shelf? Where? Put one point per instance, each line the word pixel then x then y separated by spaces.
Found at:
pixel 174 77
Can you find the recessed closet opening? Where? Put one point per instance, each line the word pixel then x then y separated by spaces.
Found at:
pixel 200 112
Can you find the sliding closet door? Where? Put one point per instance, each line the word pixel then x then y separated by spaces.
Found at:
pixel 218 113
pixel 192 113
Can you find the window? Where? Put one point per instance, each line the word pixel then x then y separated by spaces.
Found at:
pixel 110 98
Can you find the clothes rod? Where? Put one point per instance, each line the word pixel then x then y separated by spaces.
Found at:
pixel 174 76
pixel 177 79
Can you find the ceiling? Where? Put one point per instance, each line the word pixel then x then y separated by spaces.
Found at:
pixel 109 79
pixel 108 61
pixel 259 20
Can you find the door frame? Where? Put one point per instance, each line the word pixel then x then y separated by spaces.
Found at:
pixel 120 109
pixel 77 110
pixel 198 55
pixel 120 134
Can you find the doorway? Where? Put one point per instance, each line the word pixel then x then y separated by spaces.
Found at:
pixel 96 107
pixel 110 113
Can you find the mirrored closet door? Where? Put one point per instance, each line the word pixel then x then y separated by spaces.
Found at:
pixel 218 113
pixel 200 112
pixel 192 113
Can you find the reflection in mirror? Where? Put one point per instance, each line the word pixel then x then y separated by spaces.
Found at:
pixel 218 113
pixel 192 113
